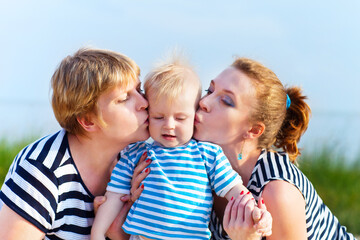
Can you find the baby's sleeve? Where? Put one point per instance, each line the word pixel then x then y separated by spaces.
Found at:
pixel 120 180
pixel 221 175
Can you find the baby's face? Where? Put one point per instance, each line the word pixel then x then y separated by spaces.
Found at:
pixel 171 123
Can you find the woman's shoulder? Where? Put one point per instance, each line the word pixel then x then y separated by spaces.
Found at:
pixel 48 151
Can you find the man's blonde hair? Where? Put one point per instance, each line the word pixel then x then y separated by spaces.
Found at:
pixel 168 78
pixel 80 79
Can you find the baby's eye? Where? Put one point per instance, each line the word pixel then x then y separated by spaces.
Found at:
pixel 158 118
pixel 180 118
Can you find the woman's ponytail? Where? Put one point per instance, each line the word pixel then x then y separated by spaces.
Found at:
pixel 295 123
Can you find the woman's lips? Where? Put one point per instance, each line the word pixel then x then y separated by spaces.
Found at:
pixel 196 120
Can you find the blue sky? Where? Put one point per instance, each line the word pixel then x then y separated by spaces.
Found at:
pixel 313 44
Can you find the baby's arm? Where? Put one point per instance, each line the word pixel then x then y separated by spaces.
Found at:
pixel 106 214
pixel 236 191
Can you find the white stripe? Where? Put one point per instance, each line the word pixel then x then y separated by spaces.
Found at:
pixel 53 151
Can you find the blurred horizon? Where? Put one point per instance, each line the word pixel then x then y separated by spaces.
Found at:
pixel 309 44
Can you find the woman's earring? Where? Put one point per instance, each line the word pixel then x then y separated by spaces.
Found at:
pixel 240 154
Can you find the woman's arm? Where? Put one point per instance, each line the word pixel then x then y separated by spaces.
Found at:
pixel 14 227
pixel 287 207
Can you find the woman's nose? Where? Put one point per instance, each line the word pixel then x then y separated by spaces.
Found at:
pixel 204 104
pixel 142 103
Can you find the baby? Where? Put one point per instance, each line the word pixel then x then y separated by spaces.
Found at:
pixel 177 199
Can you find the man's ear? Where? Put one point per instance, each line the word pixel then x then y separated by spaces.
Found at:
pixel 87 123
pixel 256 130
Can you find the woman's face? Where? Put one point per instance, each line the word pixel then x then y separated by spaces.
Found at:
pixel 124 112
pixel 223 114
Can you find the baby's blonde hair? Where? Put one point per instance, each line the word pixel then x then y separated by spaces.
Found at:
pixel 169 76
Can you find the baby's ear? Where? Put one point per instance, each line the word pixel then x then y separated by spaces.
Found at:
pixel 257 130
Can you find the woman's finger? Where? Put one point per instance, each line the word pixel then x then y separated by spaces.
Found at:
pixel 248 210
pixel 243 199
pixel 136 194
pixel 98 201
pixel 125 198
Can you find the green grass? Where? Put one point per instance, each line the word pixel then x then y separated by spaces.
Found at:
pixel 8 151
pixel 335 180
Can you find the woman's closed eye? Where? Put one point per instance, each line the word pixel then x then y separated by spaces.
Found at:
pixel 228 101
pixel 121 100
pixel 208 91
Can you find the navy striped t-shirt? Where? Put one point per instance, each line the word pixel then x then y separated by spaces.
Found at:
pixel 44 187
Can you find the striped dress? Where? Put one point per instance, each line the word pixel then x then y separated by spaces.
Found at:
pixel 321 224
pixel 44 187
pixel 177 199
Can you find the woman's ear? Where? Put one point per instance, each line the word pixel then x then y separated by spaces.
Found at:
pixel 87 123
pixel 256 130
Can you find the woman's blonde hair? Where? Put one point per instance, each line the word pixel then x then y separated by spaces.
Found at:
pixel 80 79
pixel 283 127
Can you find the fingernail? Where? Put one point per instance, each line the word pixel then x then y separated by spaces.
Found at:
pixel 142 186
pixel 248 193
pixel 143 154
pixel 148 160
pixel 232 198
pixel 147 170
pixel 242 192
pixel 262 201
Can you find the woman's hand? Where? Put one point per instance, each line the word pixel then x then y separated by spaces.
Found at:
pixel 115 231
pixel 238 218
pixel 140 173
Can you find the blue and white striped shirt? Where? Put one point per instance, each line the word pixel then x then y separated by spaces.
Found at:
pixel 44 187
pixel 320 222
pixel 177 199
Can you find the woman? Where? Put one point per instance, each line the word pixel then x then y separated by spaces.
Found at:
pixel 51 185
pixel 248 112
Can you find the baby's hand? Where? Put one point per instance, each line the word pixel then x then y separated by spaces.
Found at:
pixel 262 219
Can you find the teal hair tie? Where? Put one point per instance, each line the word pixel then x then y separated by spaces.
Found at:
pixel 288 101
